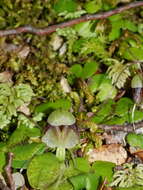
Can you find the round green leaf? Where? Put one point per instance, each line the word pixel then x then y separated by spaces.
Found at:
pixel 89 69
pixel 43 171
pixel 92 6
pixel 135 140
pixel 82 165
pixel 65 5
pixel 84 29
pixel 76 70
pixel 123 106
pixel 104 169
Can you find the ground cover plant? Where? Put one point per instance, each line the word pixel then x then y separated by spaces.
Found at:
pixel 71 95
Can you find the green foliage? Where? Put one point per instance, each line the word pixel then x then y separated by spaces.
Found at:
pixel 130 175
pixel 119 112
pixel 84 72
pixel 93 6
pixel 2 161
pixel 66 32
pixel 82 175
pixel 76 69
pixel 76 167
pixel 28 121
pixel 118 24
pixel 93 57
pixel 65 5
pixel 61 103
pixel 11 98
pixel 118 73
pixel 23 12
pixel 41 177
pixel 92 45
pixel 65 185
pixel 89 181
pixel 22 133
pixel 123 106
pixel 82 165
pixel 104 169
pixel 89 69
pixel 106 91
pixel 96 81
pixel 72 15
pixel 131 49
pixel 23 153
pixel 135 140
pixel 102 84
pixel 85 29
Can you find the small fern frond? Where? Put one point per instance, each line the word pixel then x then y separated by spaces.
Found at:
pixel 118 72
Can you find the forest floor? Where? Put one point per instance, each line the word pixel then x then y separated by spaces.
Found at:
pixel 71 95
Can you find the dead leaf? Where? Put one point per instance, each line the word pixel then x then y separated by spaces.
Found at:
pixel 24 109
pixel 116 138
pixel 63 49
pixel 137 152
pixel 112 153
pixel 24 51
pixel 6 76
pixel 65 85
pixel 56 42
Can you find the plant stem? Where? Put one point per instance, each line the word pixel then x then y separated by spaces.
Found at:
pixel 60 153
pixel 8 170
pixel 53 28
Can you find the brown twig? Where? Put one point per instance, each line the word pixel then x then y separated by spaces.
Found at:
pixel 8 171
pixel 126 128
pixel 3 186
pixel 53 28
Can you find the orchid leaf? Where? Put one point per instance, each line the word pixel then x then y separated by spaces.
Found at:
pixel 40 177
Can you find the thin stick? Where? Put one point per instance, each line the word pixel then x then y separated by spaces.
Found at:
pixel 53 28
pixel 133 115
pixel 126 128
pixel 8 170
pixel 3 186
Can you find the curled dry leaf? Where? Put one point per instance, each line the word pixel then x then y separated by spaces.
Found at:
pixel 56 42
pixel 24 51
pixel 112 153
pixel 65 85
pixel 137 152
pixel 63 49
pixel 6 76
pixel 24 109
